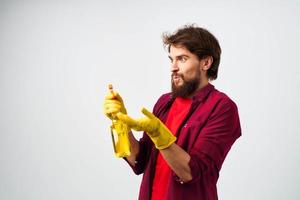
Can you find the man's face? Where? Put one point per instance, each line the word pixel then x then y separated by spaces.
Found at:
pixel 186 73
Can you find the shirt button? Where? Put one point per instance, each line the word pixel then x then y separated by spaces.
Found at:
pixel 181 182
pixel 135 162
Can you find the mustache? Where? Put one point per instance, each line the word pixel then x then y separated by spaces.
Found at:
pixel 178 75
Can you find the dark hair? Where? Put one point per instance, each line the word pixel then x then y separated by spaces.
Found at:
pixel 198 41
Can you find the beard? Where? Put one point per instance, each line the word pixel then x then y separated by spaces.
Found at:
pixel 187 88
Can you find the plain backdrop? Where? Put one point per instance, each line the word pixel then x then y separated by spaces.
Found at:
pixel 57 58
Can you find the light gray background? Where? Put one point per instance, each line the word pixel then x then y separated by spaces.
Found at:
pixel 57 58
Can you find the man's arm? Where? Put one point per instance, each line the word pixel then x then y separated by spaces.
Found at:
pixel 174 155
pixel 178 160
pixel 163 139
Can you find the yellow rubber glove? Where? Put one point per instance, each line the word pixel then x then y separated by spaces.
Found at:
pixel 113 104
pixel 157 131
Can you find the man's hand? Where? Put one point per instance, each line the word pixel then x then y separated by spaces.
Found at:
pixel 113 104
pixel 157 131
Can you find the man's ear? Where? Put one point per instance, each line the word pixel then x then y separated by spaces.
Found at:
pixel 206 62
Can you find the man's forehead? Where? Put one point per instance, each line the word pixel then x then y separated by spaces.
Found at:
pixel 178 51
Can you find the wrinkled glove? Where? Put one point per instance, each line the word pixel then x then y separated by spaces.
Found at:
pixel 113 104
pixel 157 131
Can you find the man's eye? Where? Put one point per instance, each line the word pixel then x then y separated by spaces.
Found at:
pixel 182 59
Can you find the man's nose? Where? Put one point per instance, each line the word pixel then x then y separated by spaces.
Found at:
pixel 174 67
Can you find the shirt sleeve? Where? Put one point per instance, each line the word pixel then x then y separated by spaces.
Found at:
pixel 143 155
pixel 214 141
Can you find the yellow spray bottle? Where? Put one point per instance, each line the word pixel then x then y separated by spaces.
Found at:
pixel 119 133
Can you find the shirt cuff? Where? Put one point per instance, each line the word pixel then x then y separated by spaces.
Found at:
pixel 140 160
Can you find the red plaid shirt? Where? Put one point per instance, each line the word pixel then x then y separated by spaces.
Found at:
pixel 207 133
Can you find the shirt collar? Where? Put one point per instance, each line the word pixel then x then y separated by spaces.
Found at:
pixel 203 92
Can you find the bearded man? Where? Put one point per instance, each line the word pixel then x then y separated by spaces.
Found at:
pixel 191 129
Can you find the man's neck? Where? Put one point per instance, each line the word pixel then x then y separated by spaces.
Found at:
pixel 201 85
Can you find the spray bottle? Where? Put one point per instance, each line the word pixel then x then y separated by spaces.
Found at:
pixel 119 133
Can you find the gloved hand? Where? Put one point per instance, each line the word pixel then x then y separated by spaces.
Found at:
pixel 157 131
pixel 113 104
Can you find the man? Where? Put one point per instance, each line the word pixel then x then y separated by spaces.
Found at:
pixel 191 130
